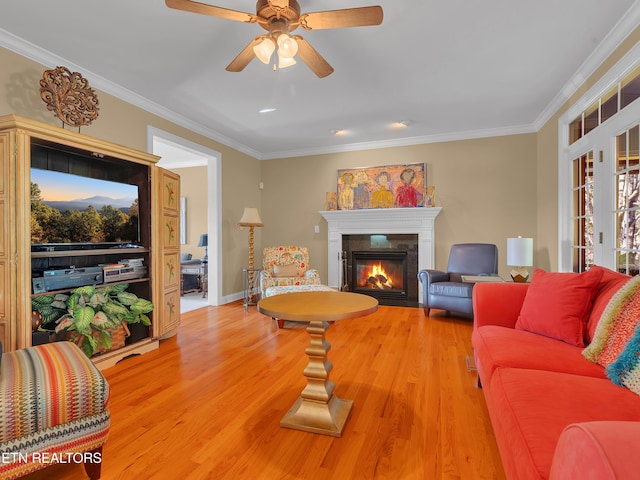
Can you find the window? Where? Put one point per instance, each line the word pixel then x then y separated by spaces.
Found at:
pixel 599 174
pixel 627 90
pixel 582 219
pixel 627 212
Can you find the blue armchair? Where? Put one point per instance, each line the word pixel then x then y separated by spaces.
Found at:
pixel 446 290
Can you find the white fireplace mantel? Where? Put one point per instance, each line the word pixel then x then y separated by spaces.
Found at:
pixel 420 221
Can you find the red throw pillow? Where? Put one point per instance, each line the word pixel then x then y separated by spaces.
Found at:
pixel 557 305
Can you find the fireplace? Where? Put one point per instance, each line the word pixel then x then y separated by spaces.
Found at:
pixel 382 275
pixel 382 266
pixel 382 221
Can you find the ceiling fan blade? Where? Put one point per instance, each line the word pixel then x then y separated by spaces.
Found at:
pixel 312 58
pixel 244 57
pixel 204 9
pixel 349 17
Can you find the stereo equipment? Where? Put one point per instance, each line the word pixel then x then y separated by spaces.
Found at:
pixel 67 278
pixel 117 273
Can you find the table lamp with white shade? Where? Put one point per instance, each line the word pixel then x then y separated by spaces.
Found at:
pixel 520 256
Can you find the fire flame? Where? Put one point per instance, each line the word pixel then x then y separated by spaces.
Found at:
pixel 378 278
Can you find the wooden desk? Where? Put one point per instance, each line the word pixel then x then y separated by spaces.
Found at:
pixel 317 409
pixel 194 268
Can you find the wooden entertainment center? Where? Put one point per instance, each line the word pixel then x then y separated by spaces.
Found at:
pixel 158 246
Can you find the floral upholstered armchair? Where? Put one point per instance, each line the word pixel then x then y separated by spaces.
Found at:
pixel 286 265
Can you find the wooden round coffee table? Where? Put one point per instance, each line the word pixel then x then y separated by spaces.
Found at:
pixel 317 409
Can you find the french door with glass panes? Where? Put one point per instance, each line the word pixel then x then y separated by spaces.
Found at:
pixel 604 222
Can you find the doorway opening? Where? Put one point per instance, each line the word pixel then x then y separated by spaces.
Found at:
pixel 176 152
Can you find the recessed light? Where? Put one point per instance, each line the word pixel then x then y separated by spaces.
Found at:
pixel 267 110
pixel 400 124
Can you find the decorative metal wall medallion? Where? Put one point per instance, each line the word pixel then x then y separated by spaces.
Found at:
pixel 69 97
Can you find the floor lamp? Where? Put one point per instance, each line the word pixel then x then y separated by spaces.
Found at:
pixel 251 219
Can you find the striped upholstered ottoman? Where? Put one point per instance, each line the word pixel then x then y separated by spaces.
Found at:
pixel 271 291
pixel 54 406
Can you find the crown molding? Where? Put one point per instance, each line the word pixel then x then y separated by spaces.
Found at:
pixel 627 24
pixel 49 60
pixel 403 142
pixel 614 38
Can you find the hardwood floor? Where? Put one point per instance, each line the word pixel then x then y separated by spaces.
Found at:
pixel 208 402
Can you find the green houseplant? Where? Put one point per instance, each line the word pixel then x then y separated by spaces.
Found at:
pixel 90 315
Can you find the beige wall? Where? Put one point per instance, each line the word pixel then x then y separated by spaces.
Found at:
pixel 487 189
pixel 547 165
pixel 193 187
pixel 125 124
pixel 490 189
pixel 240 188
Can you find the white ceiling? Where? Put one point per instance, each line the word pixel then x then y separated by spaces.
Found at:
pixel 452 68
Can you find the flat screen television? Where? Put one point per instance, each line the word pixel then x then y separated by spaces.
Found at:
pixel 68 209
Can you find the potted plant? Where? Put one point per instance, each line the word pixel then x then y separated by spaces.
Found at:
pixel 93 316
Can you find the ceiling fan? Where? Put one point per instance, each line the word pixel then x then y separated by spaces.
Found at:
pixel 280 18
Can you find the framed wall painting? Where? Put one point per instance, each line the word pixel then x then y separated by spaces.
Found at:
pixel 387 186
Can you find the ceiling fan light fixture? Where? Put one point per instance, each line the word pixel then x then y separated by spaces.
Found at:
pixel 264 50
pixel 284 62
pixel 287 46
pixel 279 18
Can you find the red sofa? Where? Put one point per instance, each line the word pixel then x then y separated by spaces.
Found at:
pixel 554 413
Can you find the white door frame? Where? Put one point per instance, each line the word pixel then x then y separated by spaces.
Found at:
pixel 601 138
pixel 213 160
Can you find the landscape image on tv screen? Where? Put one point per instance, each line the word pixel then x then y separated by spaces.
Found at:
pixel 68 208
